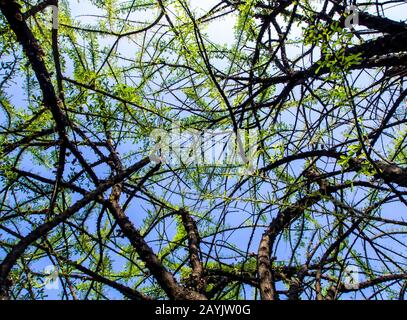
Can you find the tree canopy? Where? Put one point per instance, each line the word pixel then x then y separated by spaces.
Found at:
pixel 203 150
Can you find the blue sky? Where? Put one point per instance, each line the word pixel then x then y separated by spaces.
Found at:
pixel 219 32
